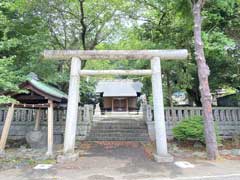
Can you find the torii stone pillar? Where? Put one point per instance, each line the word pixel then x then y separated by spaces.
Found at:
pixel 159 119
pixel 72 107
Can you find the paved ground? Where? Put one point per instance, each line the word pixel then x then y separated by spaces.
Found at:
pixel 98 162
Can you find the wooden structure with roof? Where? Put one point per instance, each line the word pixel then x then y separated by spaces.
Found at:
pixel 119 95
pixel 39 92
pixel 38 95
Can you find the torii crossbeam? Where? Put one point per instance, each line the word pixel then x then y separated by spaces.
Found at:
pixel 73 96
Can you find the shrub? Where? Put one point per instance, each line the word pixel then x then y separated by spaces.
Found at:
pixel 191 128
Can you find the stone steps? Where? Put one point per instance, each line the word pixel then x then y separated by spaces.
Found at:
pixel 126 130
pixel 118 134
pixel 117 138
pixel 114 129
pixel 110 125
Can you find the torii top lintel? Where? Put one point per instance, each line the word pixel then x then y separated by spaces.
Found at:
pixel 115 54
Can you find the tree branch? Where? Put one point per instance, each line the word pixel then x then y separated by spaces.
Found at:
pixel 84 28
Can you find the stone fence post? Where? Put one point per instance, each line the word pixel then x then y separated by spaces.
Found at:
pixel 144 111
pixel 85 124
pixel 86 113
pixel 147 112
pixel 148 117
pixel 91 111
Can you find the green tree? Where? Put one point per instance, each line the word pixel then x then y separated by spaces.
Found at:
pixel 10 76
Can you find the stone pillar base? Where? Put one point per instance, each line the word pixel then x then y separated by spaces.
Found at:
pixel 67 157
pixel 163 158
pixel 2 153
pixel 49 155
pixel 97 118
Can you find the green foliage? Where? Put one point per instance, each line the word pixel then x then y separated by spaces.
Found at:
pixel 87 91
pixel 191 128
pixel 21 39
pixel 7 100
pixel 9 76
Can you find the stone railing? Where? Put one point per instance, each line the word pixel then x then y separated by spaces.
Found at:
pixel 227 119
pixel 24 120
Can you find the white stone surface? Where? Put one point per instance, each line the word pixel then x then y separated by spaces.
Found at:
pixel 97 110
pixel 159 119
pixel 72 107
pixel 184 164
pixel 43 166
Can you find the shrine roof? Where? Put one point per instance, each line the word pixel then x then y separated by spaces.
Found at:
pixel 118 88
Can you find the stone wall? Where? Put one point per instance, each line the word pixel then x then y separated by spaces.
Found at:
pixel 227 119
pixel 24 121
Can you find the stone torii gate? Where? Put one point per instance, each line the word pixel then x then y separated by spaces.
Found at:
pixel 155 56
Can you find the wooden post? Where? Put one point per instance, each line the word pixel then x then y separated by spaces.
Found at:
pixel 50 128
pixel 72 107
pixel 159 119
pixel 37 120
pixel 6 128
pixel 112 104
pixel 127 105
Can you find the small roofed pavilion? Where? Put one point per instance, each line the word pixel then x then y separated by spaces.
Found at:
pixel 39 92
pixel 38 95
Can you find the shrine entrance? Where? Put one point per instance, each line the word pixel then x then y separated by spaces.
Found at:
pixel 73 96
pixel 120 104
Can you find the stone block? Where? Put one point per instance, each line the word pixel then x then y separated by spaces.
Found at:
pixel 36 139
pixel 2 154
pixel 151 130
pixel 198 145
pixel 163 158
pixel 69 157
pixel 236 152
pixel 58 138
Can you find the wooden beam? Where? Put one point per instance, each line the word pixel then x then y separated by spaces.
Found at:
pixel 115 72
pixel 115 54
pixel 6 128
pixel 44 105
pixel 50 128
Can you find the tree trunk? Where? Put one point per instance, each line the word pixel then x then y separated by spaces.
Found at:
pixel 169 90
pixel 203 73
pixel 194 96
pixel 170 100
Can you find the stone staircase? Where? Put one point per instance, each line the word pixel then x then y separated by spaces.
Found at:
pixel 118 129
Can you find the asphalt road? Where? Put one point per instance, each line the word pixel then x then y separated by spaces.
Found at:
pixel 126 163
